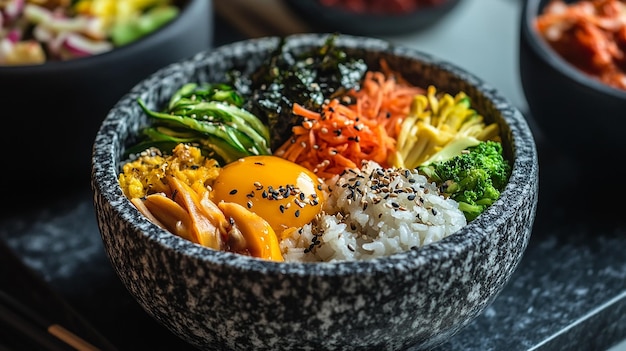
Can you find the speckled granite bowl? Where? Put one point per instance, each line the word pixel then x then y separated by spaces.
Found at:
pixel 221 301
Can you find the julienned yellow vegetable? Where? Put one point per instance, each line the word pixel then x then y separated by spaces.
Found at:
pixel 436 121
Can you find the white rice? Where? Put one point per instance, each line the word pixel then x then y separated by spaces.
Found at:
pixel 374 212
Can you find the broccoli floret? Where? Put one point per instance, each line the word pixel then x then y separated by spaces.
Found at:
pixel 473 178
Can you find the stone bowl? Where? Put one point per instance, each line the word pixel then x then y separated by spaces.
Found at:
pixel 217 300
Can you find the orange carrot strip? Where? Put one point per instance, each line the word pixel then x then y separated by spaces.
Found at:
pixel 386 98
pixel 337 139
pixel 339 136
pixel 302 111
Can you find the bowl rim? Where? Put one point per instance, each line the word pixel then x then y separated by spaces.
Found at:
pixel 531 9
pixel 338 19
pixel 339 13
pixel 472 235
pixel 152 39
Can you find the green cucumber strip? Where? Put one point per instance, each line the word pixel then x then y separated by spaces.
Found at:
pixel 206 128
pixel 225 112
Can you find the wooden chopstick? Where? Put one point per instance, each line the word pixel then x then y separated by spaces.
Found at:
pixel 29 322
pixel 30 331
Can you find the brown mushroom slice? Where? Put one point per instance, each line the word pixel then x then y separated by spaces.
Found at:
pixel 138 202
pixel 212 211
pixel 204 227
pixel 173 217
pixel 260 238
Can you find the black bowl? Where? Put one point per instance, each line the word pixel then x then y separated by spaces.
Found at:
pixel 336 19
pixel 56 107
pixel 576 113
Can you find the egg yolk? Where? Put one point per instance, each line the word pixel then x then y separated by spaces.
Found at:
pixel 281 192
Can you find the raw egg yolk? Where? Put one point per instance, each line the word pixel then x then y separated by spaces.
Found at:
pixel 283 193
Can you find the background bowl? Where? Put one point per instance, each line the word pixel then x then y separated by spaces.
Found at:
pixel 57 107
pixel 576 114
pixel 326 18
pixel 218 300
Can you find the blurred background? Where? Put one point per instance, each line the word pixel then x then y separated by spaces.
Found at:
pixel 569 292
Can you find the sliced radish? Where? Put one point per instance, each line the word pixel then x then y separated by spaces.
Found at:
pixel 78 45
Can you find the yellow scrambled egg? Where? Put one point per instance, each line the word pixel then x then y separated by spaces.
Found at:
pixel 147 174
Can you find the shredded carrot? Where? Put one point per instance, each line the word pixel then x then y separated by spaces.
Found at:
pixel 342 136
pixel 385 97
pixel 334 139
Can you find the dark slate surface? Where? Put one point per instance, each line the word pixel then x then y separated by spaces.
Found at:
pixel 568 293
